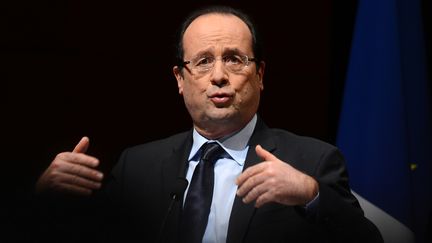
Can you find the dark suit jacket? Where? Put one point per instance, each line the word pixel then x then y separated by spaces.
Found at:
pixel 142 181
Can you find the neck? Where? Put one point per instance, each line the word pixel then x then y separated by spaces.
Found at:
pixel 217 129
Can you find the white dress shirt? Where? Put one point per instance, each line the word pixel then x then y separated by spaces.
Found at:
pixel 226 170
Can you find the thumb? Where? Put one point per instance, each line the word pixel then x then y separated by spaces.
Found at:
pixel 82 146
pixel 264 154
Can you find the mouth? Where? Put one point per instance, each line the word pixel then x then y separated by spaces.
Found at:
pixel 220 99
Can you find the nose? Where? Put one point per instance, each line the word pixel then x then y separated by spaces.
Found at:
pixel 219 75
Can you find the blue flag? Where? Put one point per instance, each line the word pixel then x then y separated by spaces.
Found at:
pixel 385 127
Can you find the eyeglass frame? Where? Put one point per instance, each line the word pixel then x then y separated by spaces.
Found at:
pixel 247 59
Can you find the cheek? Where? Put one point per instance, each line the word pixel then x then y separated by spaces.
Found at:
pixel 248 96
pixel 248 91
pixel 193 91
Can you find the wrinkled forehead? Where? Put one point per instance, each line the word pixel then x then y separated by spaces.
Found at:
pixel 217 33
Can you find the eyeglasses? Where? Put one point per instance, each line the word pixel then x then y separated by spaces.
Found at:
pixel 234 63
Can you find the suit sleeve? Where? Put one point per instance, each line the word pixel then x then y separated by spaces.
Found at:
pixel 338 211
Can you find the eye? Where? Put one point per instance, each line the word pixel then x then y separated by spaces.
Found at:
pixel 204 61
pixel 232 59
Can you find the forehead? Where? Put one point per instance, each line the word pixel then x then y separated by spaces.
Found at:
pixel 217 32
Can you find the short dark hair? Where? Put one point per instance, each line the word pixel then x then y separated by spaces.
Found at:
pixel 226 10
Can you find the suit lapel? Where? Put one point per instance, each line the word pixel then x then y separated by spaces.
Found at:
pixel 242 214
pixel 174 167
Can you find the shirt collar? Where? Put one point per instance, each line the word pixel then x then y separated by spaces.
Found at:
pixel 234 144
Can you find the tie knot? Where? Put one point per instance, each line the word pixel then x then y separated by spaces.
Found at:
pixel 211 151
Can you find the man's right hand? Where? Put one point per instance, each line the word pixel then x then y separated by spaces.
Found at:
pixel 72 172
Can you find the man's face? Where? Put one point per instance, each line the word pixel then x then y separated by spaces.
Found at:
pixel 219 101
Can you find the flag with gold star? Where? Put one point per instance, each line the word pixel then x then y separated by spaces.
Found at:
pixel 385 126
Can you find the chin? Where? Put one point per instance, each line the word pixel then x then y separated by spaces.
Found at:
pixel 222 112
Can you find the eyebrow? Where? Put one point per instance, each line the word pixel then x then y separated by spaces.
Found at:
pixel 209 52
pixel 206 52
pixel 231 51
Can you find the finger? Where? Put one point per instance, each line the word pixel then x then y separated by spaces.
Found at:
pixel 254 193
pixel 82 145
pixel 78 181
pixel 73 189
pixel 250 183
pixel 264 154
pixel 81 171
pixel 249 172
pixel 263 199
pixel 79 158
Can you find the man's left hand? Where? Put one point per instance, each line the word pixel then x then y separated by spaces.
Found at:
pixel 275 181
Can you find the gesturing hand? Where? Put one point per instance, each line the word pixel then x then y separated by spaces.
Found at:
pixel 71 172
pixel 275 181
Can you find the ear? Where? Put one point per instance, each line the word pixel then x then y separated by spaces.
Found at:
pixel 180 79
pixel 260 75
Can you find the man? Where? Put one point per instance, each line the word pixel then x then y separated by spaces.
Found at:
pixel 269 185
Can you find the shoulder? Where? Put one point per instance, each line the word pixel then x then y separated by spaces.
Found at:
pixel 303 152
pixel 165 142
pixel 157 148
pixel 287 141
pixel 297 142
